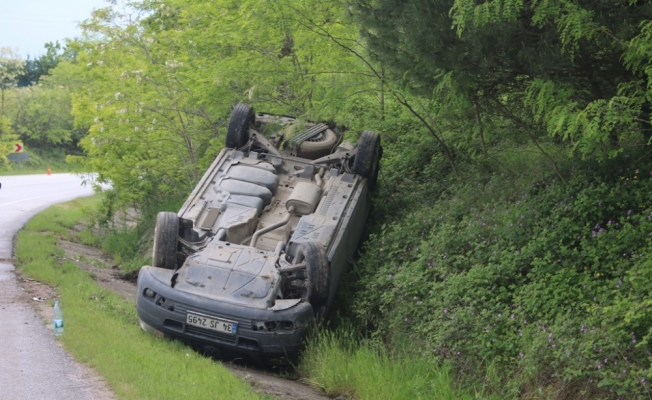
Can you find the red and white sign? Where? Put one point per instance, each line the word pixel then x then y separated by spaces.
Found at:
pixel 18 147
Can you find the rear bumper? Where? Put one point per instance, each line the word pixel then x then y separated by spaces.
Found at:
pixel 166 312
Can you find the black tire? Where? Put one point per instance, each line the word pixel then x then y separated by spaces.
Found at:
pixel 165 240
pixel 318 271
pixel 320 147
pixel 367 158
pixel 237 133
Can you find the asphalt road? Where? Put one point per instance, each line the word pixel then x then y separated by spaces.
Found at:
pixel 33 365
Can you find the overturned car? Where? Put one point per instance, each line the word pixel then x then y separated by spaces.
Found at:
pixel 258 250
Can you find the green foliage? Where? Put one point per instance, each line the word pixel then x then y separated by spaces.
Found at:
pixel 11 66
pixel 589 129
pixel 124 244
pixel 7 137
pixel 545 279
pixel 293 61
pixel 38 115
pixel 576 71
pixel 127 235
pixel 41 116
pixel 148 130
pixel 36 68
pixel 155 82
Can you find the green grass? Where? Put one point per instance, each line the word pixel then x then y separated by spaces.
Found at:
pixel 124 245
pixel 339 363
pixel 130 246
pixel 101 329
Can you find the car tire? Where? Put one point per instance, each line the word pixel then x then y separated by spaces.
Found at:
pixel 318 272
pixel 321 147
pixel 367 157
pixel 166 240
pixel 237 133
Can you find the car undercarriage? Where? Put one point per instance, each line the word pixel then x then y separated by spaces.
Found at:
pixel 258 250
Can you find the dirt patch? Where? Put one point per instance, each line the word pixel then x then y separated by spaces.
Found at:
pixel 100 268
pixel 105 273
pixel 271 384
pixel 38 294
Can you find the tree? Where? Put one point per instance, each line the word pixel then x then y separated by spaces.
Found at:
pixel 280 55
pixel 11 66
pixel 158 81
pixel 147 131
pixel 559 68
pixel 41 115
pixel 35 68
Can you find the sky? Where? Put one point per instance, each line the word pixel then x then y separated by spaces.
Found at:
pixel 26 25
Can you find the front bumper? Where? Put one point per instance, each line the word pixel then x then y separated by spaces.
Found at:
pixel 166 312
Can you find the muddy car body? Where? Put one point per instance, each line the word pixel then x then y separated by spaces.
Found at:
pixel 258 250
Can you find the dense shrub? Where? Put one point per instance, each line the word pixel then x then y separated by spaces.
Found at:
pixel 547 281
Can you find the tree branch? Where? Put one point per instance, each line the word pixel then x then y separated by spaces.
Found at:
pixel 439 139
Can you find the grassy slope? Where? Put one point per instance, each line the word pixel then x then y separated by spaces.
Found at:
pixel 529 286
pixel 102 329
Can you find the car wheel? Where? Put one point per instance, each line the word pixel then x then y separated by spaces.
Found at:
pixel 318 271
pixel 165 240
pixel 367 157
pixel 237 133
pixel 319 146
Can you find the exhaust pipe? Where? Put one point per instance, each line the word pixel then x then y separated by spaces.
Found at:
pixel 270 228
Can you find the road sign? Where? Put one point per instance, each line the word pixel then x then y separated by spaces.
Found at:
pixel 18 157
pixel 18 147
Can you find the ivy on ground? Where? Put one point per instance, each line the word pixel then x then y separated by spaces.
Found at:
pixel 546 281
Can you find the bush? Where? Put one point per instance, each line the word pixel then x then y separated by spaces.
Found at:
pixel 547 281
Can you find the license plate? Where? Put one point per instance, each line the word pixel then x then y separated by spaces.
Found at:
pixel 213 324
